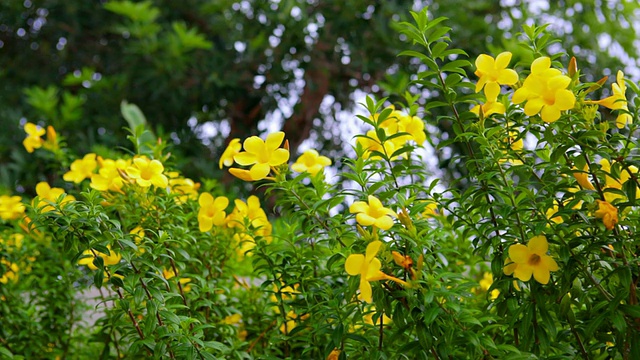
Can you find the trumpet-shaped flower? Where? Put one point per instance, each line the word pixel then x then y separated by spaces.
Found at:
pixel 371 143
pixel 582 177
pixel 232 150
pixel 617 101
pixel 111 259
pixel 46 192
pixel 532 259
pixel 212 211
pixel 414 126
pixel 367 266
pixel 109 176
pixel 11 207
pixel 81 169
pixel 33 140
pixel 485 285
pixel 372 213
pixel 147 172
pixel 52 139
pixel 493 72
pixel 608 213
pixel 262 155
pixel 545 91
pixel 310 161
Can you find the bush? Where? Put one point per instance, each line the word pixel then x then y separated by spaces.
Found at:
pixel 532 253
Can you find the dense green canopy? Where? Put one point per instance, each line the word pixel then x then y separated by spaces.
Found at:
pixel 226 66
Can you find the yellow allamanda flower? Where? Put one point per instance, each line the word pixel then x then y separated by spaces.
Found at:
pixel 545 91
pixel 617 101
pixel 613 183
pixel 372 213
pixel 11 207
pixel 33 140
pixel 367 266
pixel 138 234
pixel 109 176
pixel 262 155
pixel 147 172
pixel 232 150
pixel 81 169
pixel 14 241
pixel 582 177
pixel 371 143
pixel 212 211
pixel 185 187
pixel 111 259
pixel 52 139
pixel 532 259
pixel 250 213
pixel 493 72
pixel 485 284
pixel 47 193
pixel 310 161
pixel 608 213
pixel 10 272
pixel 492 106
pixel 184 282
pixel 368 317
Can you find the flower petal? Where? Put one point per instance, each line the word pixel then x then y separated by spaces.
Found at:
pixel 540 64
pixel 538 245
pixel 384 222
pixel 533 106
pixel 548 262
pixel 523 272
pixel 359 207
pixel 508 77
pixel 354 264
pixel 541 274
pixel 519 253
pixel 502 60
pixel 565 99
pixel 485 63
pixel 259 171
pixel 274 140
pixel 365 219
pixel 372 249
pixel 245 158
pixel 279 156
pixel 550 113
pixel 492 90
pixel 365 291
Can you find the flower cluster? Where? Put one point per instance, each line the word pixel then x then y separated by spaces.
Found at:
pixel 399 129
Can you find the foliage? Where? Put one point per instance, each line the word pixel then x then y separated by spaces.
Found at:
pixel 535 257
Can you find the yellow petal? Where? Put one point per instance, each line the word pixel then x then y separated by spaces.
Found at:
pixel 502 60
pixel 523 272
pixel 565 100
pixel 533 106
pixel 519 253
pixel 373 270
pixel 384 222
pixel 540 64
pixel 359 207
pixel 259 171
pixel 492 90
pixel 365 291
pixel 548 262
pixel 550 113
pixel 365 219
pixel 485 63
pixel 274 140
pixel 508 77
pixel 245 158
pixel 372 249
pixel 279 156
pixel 541 274
pixel 254 145
pixel 354 264
pixel 538 245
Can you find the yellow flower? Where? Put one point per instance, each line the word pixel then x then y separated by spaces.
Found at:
pixel 368 267
pixel 33 140
pixel 10 272
pixel 372 213
pixel 13 241
pixel 49 194
pixel 371 143
pixel 52 139
pixel 212 211
pixel 252 214
pixel 185 187
pixel 147 172
pixel 292 321
pixel 11 207
pixel 81 169
pixel 493 72
pixel 232 150
pixel 262 155
pixel 368 317
pixel 532 259
pixel 138 235
pixel 545 91
pixel 617 101
pixel 489 108
pixel 184 282
pixel 241 174
pixel 310 161
pixel 108 177
pixel 485 284
pixel 414 126
pixel 608 213
pixel 232 319
pixel 111 259
pixel 583 177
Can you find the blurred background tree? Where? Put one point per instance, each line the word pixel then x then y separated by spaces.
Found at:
pixel 206 71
